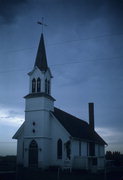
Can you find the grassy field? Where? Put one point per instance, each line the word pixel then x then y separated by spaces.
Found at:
pixel 34 174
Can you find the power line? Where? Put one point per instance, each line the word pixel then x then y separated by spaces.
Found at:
pixel 12 70
pixel 73 62
pixel 96 37
pixel 64 42
pixel 7 142
pixel 89 60
pixel 22 49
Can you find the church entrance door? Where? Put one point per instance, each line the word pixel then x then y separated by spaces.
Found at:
pixel 33 154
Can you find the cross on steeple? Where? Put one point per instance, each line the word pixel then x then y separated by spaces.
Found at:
pixel 41 60
pixel 42 23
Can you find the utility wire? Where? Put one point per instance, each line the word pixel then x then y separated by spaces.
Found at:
pixel 64 42
pixel 7 142
pixel 96 37
pixel 89 60
pixel 105 59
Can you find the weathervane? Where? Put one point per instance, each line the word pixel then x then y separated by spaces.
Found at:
pixel 42 23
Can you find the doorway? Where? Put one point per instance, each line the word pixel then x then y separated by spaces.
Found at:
pixel 33 154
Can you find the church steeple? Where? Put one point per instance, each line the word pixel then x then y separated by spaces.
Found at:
pixel 41 59
pixel 40 76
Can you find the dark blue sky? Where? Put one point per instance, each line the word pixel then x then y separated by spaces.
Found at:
pixel 84 45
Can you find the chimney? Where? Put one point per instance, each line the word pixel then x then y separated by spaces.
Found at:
pixel 91 115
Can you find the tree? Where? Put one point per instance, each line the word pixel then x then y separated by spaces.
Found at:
pixel 115 156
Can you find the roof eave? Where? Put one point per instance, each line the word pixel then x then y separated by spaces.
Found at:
pixel 18 132
pixel 87 140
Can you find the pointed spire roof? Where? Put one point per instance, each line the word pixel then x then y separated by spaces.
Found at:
pixel 41 59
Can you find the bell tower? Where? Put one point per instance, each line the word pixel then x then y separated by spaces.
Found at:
pixel 40 76
pixel 39 99
pixel 38 104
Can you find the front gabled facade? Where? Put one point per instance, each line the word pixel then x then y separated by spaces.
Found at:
pixel 50 136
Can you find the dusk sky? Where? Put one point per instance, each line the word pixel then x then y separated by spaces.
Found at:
pixel 84 46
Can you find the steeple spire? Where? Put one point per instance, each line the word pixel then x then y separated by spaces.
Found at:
pixel 41 60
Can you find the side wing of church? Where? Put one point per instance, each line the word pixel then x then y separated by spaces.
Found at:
pixel 51 137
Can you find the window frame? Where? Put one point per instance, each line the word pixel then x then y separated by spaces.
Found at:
pixel 33 85
pixel 38 85
pixel 59 149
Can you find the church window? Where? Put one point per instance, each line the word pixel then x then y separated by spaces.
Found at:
pixel 38 85
pixel 48 84
pixel 87 149
pixel 92 149
pixel 33 130
pixel 33 144
pixel 68 149
pixel 59 149
pixel 33 85
pixel 33 123
pixel 94 162
pixel 23 149
pixel 45 85
pixel 79 148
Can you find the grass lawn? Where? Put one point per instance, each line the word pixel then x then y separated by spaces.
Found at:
pixel 31 174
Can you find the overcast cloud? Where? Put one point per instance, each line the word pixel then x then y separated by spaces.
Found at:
pixel 84 43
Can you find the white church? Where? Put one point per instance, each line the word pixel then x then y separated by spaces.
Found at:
pixel 50 136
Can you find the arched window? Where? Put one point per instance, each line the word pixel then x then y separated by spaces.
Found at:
pixel 45 85
pixel 48 84
pixel 68 149
pixel 33 144
pixel 92 149
pixel 59 149
pixel 23 149
pixel 38 85
pixel 33 85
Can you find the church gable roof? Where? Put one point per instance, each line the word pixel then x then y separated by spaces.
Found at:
pixel 18 132
pixel 41 60
pixel 77 127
